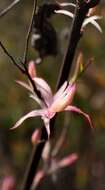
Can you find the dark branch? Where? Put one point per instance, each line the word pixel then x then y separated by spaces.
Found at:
pixel 33 163
pixel 11 58
pixel 80 14
pixel 23 69
pixel 29 32
pixel 7 9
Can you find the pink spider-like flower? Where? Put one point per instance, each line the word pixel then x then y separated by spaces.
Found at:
pixel 54 166
pixel 52 104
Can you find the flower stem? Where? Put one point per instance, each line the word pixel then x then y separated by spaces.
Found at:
pixel 75 35
pixel 7 9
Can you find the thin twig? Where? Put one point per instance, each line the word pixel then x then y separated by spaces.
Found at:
pixel 7 9
pixel 11 58
pixel 23 70
pixel 29 32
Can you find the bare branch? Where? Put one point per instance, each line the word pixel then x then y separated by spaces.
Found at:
pixel 11 58
pixel 7 9
pixel 23 70
pixel 29 32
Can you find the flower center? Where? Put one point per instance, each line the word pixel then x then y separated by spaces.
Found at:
pixel 49 114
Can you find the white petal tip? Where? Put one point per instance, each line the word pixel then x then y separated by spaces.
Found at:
pixel 64 12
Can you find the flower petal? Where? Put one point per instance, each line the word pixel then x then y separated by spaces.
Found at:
pixel 64 12
pixel 39 175
pixel 46 151
pixel 61 90
pixel 75 109
pixel 62 101
pixel 89 19
pixel 47 125
pixel 34 97
pixel 92 21
pixel 44 89
pixel 96 25
pixel 33 113
pixel 66 4
pixel 68 160
pixel 25 85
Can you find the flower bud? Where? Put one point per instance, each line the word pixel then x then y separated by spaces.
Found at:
pixel 8 183
pixel 91 11
pixel 68 160
pixel 35 138
pixel 32 69
pixel 46 151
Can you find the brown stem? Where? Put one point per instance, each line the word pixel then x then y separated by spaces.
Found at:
pixel 29 32
pixel 23 68
pixel 34 161
pixel 7 9
pixel 12 58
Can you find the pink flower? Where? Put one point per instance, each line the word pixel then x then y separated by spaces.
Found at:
pixel 53 165
pixel 52 104
pixel 32 69
pixel 8 183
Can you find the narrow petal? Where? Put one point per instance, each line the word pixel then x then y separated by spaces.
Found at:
pixel 46 151
pixel 33 113
pixel 92 21
pixel 47 125
pixel 34 97
pixel 66 4
pixel 96 25
pixel 75 109
pixel 25 85
pixel 68 160
pixel 61 90
pixel 62 101
pixel 64 12
pixel 41 83
pixel 44 89
pixel 89 19
pixel 39 175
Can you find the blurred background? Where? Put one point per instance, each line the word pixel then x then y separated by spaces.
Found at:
pixel 15 146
